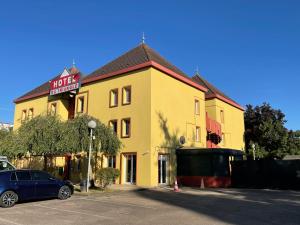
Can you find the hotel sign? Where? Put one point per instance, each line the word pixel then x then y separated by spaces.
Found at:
pixel 65 83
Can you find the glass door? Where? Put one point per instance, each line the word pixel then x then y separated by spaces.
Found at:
pixel 131 168
pixel 163 176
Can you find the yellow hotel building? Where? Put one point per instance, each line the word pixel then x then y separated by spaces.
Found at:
pixel 150 104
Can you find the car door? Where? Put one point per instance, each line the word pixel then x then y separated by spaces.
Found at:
pixel 45 185
pixel 25 186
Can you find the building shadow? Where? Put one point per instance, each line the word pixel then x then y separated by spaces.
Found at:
pixel 234 206
pixel 169 144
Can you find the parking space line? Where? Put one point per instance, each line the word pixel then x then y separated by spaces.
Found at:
pixel 9 222
pixel 72 211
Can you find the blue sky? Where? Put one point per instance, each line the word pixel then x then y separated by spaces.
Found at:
pixel 249 49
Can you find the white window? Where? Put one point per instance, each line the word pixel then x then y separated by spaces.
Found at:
pixel 223 139
pixel 24 115
pixel 112 161
pixel 80 105
pixel 198 134
pixel 113 124
pixel 30 113
pixel 222 116
pixel 197 107
pixel 126 95
pixel 125 128
pixel 113 98
pixel 53 109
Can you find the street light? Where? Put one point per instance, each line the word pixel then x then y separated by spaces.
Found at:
pixel 253 147
pixel 92 125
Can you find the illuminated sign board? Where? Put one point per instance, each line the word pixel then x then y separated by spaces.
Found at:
pixel 64 83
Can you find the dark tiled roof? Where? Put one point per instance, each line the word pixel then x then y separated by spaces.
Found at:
pixel 44 88
pixel 140 54
pixel 212 90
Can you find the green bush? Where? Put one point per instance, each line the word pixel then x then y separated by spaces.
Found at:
pixel 107 176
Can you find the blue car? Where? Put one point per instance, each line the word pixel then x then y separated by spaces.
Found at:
pixel 23 185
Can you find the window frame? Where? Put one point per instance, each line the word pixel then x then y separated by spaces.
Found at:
pixel 198 136
pixel 50 108
pixel 24 112
pixel 222 116
pixel 123 90
pixel 82 99
pixel 112 121
pixel 129 132
pixel 30 110
pixel 223 139
pixel 114 159
pixel 116 91
pixel 197 107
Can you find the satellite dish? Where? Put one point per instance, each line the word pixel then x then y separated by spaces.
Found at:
pixel 182 140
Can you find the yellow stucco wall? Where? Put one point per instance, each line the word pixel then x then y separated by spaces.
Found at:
pixel 173 115
pixel 233 126
pixel 40 106
pixel 162 109
pixel 138 112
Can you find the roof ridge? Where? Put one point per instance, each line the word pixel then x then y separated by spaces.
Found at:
pixel 152 54
pixel 203 80
pixel 214 90
pixel 140 56
pixel 146 52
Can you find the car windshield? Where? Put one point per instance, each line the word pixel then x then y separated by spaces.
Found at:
pixel 4 165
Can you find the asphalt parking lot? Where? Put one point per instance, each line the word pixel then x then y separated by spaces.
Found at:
pixel 160 206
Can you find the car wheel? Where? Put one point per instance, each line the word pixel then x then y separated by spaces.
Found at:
pixel 8 199
pixel 64 192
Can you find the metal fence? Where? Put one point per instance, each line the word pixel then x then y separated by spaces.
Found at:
pixel 274 174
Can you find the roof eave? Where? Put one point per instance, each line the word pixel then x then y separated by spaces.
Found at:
pixel 179 77
pixel 230 102
pixel 153 64
pixel 21 99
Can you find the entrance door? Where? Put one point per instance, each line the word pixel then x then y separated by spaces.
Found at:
pixel 163 169
pixel 130 168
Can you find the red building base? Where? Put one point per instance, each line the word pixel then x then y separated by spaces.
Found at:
pixel 212 182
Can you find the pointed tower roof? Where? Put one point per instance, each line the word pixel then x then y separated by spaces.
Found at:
pixel 214 92
pixel 136 56
pixel 140 57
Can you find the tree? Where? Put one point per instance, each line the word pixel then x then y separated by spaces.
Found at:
pixel 264 127
pixel 76 138
pixel 47 136
pixel 10 144
pixel 294 142
pixel 3 134
pixel 41 134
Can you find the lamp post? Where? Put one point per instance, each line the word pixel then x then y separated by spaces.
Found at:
pixel 92 125
pixel 253 147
